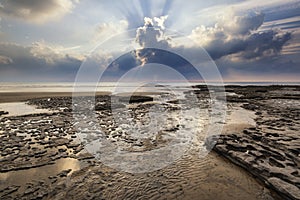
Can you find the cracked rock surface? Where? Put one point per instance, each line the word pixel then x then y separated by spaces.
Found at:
pixel 271 149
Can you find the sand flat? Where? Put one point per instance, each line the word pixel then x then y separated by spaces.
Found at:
pixel 47 138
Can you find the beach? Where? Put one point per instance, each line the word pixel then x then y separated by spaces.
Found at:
pixel 144 99
pixel 255 157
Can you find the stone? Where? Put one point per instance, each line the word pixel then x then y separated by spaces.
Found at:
pixel 3 113
pixel 64 173
pixel 284 187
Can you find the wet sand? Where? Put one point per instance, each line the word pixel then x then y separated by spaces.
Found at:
pixel 6 97
pixel 47 141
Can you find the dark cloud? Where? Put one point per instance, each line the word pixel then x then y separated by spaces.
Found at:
pixel 265 44
pixel 29 64
pixel 239 35
pixel 253 46
pixel 154 56
pixel 35 10
pixel 279 67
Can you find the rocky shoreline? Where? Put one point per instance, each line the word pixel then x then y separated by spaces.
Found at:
pixel 269 151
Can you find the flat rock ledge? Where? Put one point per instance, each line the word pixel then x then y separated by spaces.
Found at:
pixel 271 150
pixel 276 168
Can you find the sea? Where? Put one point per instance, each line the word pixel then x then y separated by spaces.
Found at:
pixel 6 87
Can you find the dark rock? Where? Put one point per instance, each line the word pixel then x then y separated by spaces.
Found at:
pixel 30 190
pixel 64 173
pixel 108 106
pixel 250 107
pixel 3 113
pixel 9 190
pixel 136 99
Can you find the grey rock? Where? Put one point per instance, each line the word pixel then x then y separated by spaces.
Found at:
pixel 286 188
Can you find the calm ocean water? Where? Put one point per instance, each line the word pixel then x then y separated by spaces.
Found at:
pixel 110 86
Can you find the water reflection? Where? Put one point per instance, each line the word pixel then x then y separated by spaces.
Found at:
pixel 21 177
pixel 20 108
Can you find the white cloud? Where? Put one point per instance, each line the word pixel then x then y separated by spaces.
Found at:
pixel 109 29
pixel 227 27
pixel 52 53
pixel 42 51
pixel 250 21
pixel 151 34
pixel 161 21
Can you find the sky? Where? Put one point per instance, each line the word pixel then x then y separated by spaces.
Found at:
pixel 54 40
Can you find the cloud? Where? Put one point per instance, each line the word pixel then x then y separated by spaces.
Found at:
pixel 242 24
pixel 5 60
pixel 235 42
pixel 239 36
pixel 36 11
pixel 106 30
pixel 37 62
pixel 154 47
pixel 265 44
pixel 228 27
pixel 41 50
pixel 236 36
pixel 151 34
pixel 269 67
pixel 290 23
